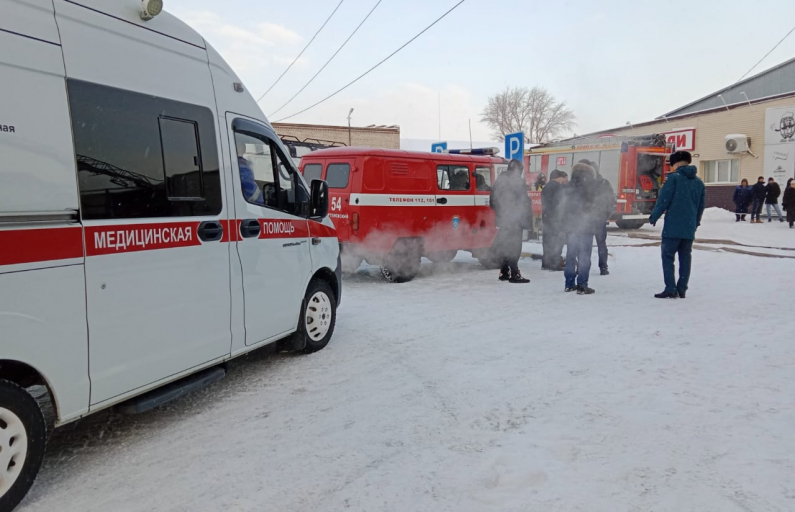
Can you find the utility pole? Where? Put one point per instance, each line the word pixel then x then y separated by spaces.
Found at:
pixel 349 127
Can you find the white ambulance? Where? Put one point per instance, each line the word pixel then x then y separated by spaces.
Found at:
pixel 152 225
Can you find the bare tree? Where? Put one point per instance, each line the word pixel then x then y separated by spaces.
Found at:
pixel 533 111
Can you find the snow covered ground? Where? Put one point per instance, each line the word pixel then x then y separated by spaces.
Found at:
pixel 459 393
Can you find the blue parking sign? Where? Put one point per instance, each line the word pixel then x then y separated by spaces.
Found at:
pixel 439 147
pixel 514 146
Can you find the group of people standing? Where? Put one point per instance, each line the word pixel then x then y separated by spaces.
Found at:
pixel 574 213
pixel 763 194
pixel 754 197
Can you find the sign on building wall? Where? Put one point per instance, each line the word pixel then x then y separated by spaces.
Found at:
pixel 684 139
pixel 780 162
pixel 780 143
pixel 780 125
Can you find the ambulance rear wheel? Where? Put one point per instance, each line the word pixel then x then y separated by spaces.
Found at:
pixel 402 264
pixel 23 435
pixel 442 257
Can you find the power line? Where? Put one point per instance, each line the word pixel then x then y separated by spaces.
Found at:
pixel 328 61
pixel 302 51
pixel 372 68
pixel 768 53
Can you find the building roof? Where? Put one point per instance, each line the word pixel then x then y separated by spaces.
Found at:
pixel 776 81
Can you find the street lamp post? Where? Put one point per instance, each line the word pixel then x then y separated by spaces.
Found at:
pixel 349 127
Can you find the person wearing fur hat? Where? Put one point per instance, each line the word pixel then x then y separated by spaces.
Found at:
pixel 582 222
pixel 682 200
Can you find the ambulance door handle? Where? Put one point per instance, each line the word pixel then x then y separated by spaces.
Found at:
pixel 441 200
pixel 210 231
pixel 250 228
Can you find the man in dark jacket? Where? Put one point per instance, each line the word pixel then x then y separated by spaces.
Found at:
pixel 606 205
pixel 758 193
pixel 552 215
pixel 772 193
pixel 582 221
pixel 513 207
pixel 682 200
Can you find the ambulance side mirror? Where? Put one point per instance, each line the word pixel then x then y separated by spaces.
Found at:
pixel 318 202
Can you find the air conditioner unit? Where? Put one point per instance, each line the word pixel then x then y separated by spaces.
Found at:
pixel 738 143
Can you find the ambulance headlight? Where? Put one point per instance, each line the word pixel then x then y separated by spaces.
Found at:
pixel 150 9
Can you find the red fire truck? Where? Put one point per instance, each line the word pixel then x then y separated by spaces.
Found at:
pixel 392 207
pixel 635 166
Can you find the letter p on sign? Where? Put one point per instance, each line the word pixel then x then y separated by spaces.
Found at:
pixel 514 146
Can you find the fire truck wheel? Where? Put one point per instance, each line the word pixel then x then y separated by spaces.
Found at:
pixel 23 435
pixel 318 317
pixel 630 224
pixel 402 264
pixel 442 257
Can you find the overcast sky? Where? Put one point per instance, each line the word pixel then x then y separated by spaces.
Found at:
pixel 612 61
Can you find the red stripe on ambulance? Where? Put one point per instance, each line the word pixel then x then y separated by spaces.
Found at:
pixel 36 245
pixel 102 240
pixel 316 229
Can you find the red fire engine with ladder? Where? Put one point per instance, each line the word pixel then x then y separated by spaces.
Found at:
pixel 635 166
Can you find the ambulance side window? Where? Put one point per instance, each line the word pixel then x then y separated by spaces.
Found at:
pixel 453 177
pixel 140 156
pixel 266 176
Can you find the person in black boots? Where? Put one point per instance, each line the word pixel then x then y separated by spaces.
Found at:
pixel 582 221
pixel 606 205
pixel 789 203
pixel 758 194
pixel 772 193
pixel 552 216
pixel 742 198
pixel 514 208
pixel 682 200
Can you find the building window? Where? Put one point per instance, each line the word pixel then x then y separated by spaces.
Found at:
pixel 722 171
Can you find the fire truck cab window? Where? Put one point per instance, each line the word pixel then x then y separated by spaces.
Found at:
pixel 266 177
pixel 312 172
pixel 453 177
pixel 337 175
pixel 483 179
pixel 140 156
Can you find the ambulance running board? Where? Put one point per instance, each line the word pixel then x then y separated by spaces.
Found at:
pixel 169 392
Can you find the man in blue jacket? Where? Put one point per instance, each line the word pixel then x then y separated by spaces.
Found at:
pixel 682 200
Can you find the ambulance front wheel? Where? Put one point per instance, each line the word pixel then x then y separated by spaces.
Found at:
pixel 23 435
pixel 318 318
